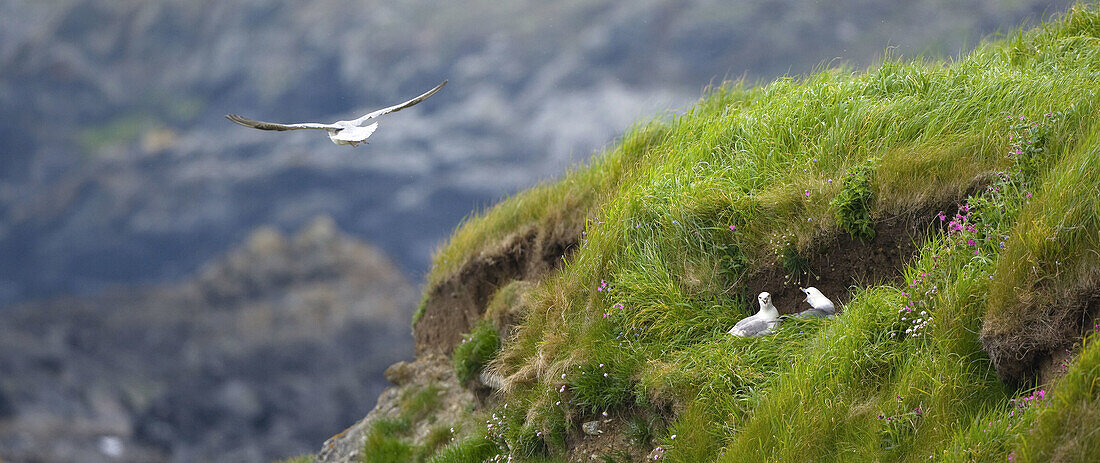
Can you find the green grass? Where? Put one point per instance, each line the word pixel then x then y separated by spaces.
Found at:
pixel 471 450
pixel 382 444
pixel 684 211
pixel 1065 428
pixel 476 350
pixel 388 439
pixel 1051 256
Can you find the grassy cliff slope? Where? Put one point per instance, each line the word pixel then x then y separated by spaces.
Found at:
pixel 950 208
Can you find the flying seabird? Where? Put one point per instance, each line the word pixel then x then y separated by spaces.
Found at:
pixel 351 132
pixel 763 322
pixel 821 306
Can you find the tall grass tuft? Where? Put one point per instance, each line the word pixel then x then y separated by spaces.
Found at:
pixel 476 350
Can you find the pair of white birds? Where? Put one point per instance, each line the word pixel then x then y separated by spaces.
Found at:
pixel 351 132
pixel 767 319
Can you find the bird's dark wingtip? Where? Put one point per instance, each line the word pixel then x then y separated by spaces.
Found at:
pixel 236 119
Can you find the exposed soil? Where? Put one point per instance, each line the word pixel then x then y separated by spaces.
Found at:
pixel 611 441
pixel 454 306
pixel 841 261
pixel 1034 353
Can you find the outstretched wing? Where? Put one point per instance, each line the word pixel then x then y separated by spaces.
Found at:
pixel 397 107
pixel 275 125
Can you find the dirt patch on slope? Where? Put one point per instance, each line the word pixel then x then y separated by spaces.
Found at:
pixel 841 261
pixel 1034 352
pixel 454 306
pixel 606 438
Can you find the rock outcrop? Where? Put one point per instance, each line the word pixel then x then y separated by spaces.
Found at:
pixel 266 352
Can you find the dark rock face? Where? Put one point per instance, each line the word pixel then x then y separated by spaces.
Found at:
pixel 267 352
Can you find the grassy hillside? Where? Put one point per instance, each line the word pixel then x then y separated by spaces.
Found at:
pixel 951 207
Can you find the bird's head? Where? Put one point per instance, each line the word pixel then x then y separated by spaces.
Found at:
pixel 765 298
pixel 810 292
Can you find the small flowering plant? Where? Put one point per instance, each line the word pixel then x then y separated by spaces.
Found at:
pixel 788 257
pixel 606 296
pixel 980 221
pixel 900 426
pixel 1028 140
pixel 611 300
pixel 620 316
pixel 915 317
pixel 978 228
pixel 971 229
pixel 514 438
pixel 1023 403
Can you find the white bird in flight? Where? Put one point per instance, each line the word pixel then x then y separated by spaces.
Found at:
pixel 761 323
pixel 351 132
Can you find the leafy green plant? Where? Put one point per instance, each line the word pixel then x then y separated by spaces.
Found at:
pixel 852 206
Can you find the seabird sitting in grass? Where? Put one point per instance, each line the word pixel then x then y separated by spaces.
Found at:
pixel 821 306
pixel 763 322
pixel 351 132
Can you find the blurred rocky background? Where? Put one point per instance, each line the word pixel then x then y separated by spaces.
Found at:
pixel 267 351
pixel 135 326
